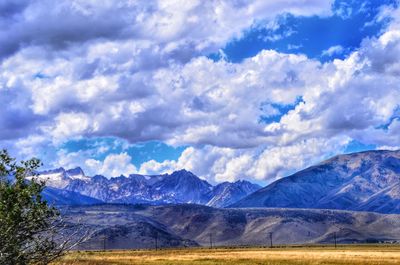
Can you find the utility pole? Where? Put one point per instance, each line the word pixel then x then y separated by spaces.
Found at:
pixel 156 241
pixel 270 239
pixel 334 235
pixel 211 246
pixel 103 238
pixel 104 242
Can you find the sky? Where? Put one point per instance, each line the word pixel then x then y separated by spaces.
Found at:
pixel 229 90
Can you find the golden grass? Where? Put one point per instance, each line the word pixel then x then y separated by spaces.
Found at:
pixel 242 256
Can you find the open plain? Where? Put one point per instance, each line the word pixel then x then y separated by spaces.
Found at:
pixel 296 255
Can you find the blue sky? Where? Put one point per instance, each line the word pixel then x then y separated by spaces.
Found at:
pixel 229 90
pixel 140 152
pixel 350 23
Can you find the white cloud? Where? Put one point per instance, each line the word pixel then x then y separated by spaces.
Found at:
pixel 212 99
pixel 347 99
pixel 141 76
pixel 92 74
pixel 264 163
pixel 113 165
pixel 334 50
pixel 179 26
pixel 386 147
pixel 70 125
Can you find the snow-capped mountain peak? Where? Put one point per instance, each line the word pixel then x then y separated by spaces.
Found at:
pixel 178 187
pixel 76 173
pixel 60 178
pixel 56 178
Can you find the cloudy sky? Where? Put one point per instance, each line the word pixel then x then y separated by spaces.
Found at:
pixel 230 90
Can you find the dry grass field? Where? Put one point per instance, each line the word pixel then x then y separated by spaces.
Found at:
pixel 360 254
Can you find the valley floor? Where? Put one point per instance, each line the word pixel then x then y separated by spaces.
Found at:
pixel 316 255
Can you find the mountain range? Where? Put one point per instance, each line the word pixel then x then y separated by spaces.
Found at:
pixel 121 226
pixel 73 187
pixel 353 198
pixel 365 181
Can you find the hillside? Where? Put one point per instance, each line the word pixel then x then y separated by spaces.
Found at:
pixel 128 226
pixel 366 181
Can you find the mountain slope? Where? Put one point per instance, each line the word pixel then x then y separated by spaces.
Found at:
pixel 386 201
pixel 64 197
pixel 227 193
pixel 360 181
pixel 127 226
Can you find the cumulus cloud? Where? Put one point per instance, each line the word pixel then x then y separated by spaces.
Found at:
pixel 218 164
pixel 197 102
pixel 334 50
pixel 175 25
pixel 113 165
pixel 142 75
pixel 88 59
pixel 353 99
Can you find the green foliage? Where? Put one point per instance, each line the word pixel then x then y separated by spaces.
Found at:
pixel 28 225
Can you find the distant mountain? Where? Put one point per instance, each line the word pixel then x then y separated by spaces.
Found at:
pixel 226 193
pixel 366 181
pixel 179 187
